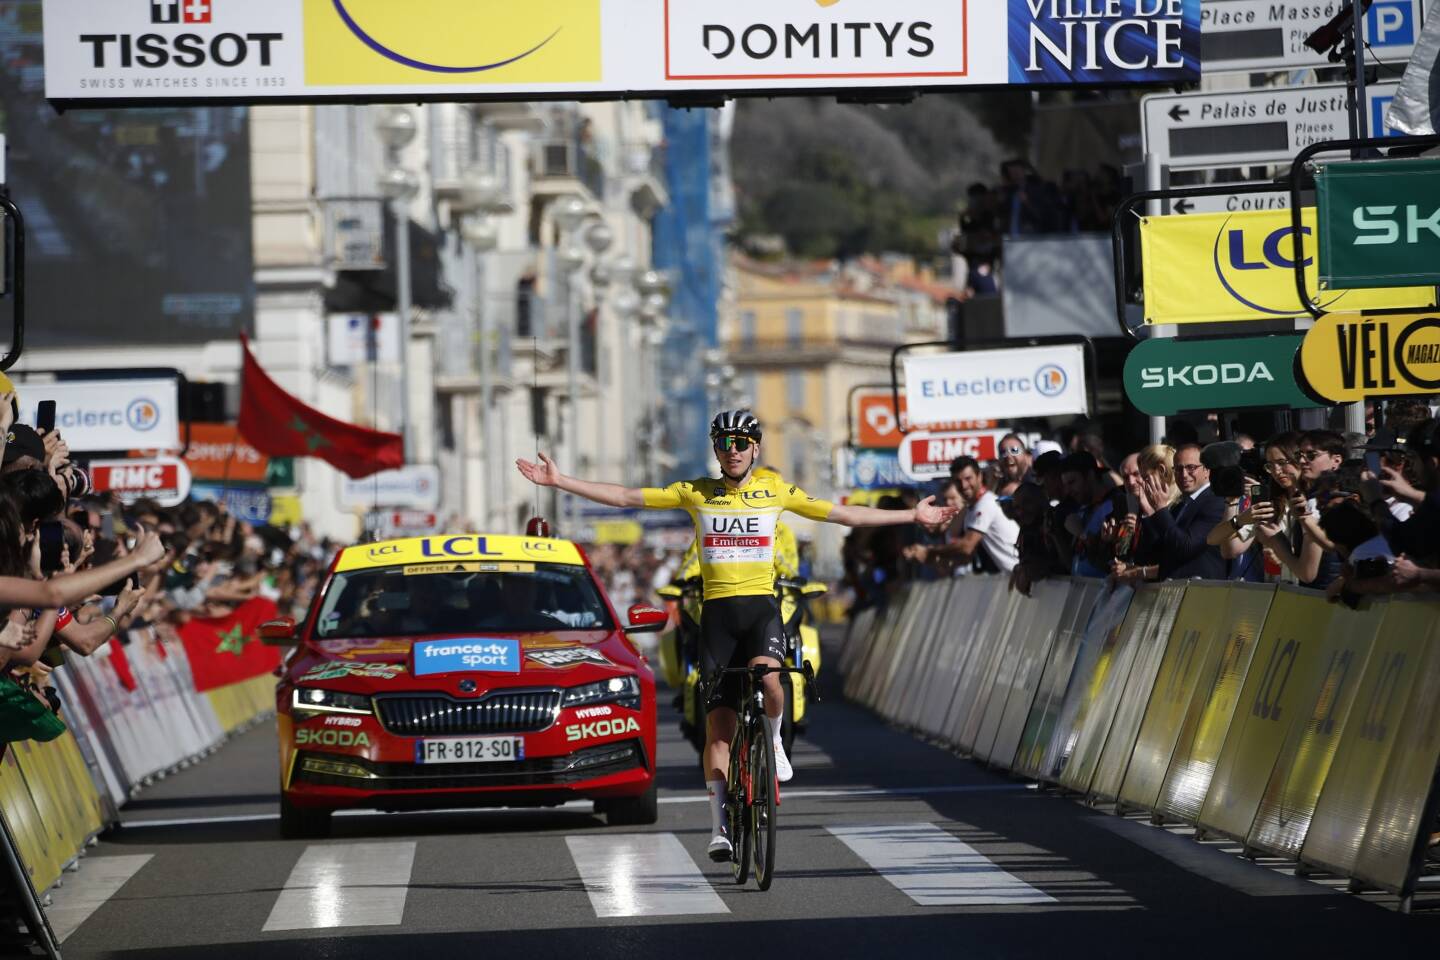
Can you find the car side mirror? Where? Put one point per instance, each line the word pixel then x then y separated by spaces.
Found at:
pixel 646 619
pixel 279 632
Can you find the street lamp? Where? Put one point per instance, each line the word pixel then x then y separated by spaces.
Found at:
pixel 397 128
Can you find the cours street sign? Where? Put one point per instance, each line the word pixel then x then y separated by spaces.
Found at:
pixel 1256 36
pixel 1348 358
pixel 1379 223
pixel 1230 202
pixel 1243 128
pixel 1165 377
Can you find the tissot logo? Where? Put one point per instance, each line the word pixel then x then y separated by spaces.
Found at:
pixel 154 51
pixel 171 11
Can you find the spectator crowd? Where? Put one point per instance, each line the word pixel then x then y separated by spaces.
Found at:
pixel 1346 514
pixel 80 570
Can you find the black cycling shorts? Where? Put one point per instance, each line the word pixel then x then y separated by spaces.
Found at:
pixel 734 631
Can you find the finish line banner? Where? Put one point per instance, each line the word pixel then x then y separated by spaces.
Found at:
pixel 99 51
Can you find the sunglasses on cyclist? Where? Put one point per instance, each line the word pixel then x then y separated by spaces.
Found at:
pixel 726 444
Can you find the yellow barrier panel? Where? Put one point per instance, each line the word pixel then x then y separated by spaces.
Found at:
pixel 968 599
pixel 239 703
pixel 1024 628
pixel 1003 613
pixel 1199 640
pixel 992 615
pixel 1273 695
pixel 1041 724
pixel 1202 737
pixel 1150 647
pixel 1304 762
pixel 31 837
pixel 1048 600
pixel 1347 800
pixel 1398 826
pixel 1100 690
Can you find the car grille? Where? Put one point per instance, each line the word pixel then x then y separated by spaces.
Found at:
pixel 525 711
pixel 586 764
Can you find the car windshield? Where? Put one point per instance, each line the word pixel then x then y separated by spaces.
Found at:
pixel 460 598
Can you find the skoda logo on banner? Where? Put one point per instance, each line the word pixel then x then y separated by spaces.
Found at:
pixel 1164 377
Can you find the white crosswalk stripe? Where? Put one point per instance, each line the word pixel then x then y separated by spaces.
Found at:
pixel 641 875
pixel 87 890
pixel 934 868
pixel 345 885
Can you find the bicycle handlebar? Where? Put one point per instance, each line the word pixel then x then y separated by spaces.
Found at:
pixel 758 671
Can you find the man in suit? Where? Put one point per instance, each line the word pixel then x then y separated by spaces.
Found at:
pixel 1179 531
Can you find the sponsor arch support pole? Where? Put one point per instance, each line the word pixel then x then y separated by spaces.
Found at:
pixel 1155 177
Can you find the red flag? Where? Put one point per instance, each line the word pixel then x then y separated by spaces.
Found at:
pixel 228 649
pixel 121 663
pixel 279 425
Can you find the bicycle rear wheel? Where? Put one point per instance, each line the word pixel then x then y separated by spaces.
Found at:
pixel 737 810
pixel 762 807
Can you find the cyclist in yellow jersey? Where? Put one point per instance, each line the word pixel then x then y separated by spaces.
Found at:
pixel 736 515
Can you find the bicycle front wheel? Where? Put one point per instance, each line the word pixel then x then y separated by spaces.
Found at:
pixel 737 809
pixel 762 807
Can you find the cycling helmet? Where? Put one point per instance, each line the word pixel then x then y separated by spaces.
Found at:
pixel 735 423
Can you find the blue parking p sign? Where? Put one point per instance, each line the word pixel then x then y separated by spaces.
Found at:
pixel 1391 23
pixel 467 655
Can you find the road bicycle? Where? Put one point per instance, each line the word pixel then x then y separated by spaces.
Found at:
pixel 752 794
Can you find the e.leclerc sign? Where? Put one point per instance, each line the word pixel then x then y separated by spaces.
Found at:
pixel 1379 223
pixel 996 384
pixel 1346 358
pixel 1165 377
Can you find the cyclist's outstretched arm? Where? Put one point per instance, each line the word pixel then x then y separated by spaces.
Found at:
pixel 546 474
pixel 925 511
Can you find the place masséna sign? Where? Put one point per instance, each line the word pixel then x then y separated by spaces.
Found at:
pixel 99 51
pixel 996 384
pixel 1165 377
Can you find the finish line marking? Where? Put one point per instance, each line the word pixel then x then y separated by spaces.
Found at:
pixel 585 804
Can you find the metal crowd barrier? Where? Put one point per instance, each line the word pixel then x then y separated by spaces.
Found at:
pixel 133 716
pixel 1297 727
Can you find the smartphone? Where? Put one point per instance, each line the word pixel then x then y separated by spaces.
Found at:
pixel 1372 462
pixel 45 416
pixel 107 526
pixel 52 542
pixel 1255 492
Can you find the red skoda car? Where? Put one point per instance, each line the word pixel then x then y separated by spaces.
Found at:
pixel 456 671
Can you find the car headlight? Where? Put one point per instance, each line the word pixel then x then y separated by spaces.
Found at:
pixel 622 690
pixel 316 700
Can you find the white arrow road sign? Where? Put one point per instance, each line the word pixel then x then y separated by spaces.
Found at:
pixel 1256 36
pixel 1250 127
pixel 1231 202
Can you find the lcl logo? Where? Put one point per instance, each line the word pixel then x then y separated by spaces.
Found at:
pixel 180 11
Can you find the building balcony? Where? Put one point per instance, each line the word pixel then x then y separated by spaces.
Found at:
pixel 559 167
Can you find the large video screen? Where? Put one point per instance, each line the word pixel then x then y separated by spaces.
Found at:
pixel 137 221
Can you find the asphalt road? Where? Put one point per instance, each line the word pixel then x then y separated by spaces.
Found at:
pixel 888 847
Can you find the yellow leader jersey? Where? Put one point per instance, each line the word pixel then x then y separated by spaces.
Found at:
pixel 736 529
pixel 787 556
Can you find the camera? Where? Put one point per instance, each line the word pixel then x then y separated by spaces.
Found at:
pixel 1372 568
pixel 1330 36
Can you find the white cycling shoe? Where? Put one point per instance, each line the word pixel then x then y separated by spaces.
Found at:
pixel 783 770
pixel 720 849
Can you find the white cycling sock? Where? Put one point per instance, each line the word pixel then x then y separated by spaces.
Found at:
pixel 717 805
pixel 773 724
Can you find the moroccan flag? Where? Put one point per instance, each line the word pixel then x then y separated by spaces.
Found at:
pixel 228 650
pixel 279 425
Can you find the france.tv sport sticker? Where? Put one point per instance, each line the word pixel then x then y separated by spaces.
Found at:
pixel 469 654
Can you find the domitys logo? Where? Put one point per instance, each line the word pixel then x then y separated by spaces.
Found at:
pixel 427 42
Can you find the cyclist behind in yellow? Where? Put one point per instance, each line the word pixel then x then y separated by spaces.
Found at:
pixel 735 516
